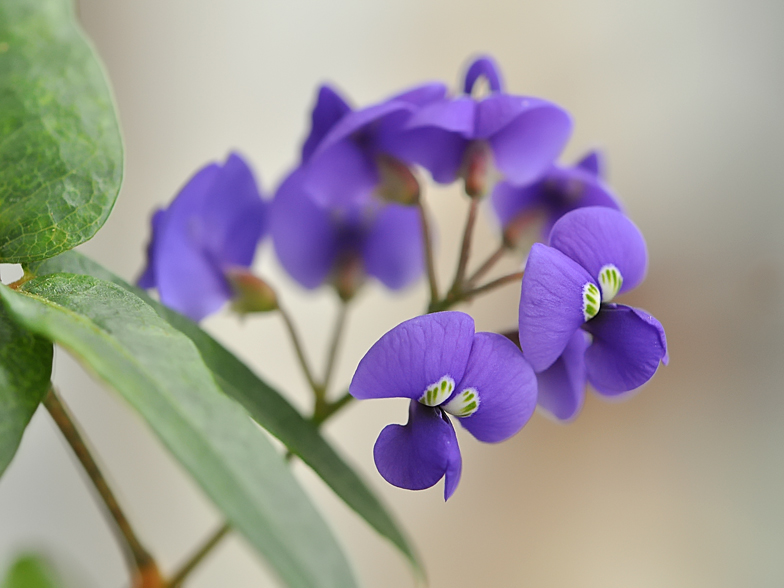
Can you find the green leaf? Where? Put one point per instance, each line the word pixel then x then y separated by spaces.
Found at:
pixel 60 147
pixel 160 373
pixel 267 406
pixel 25 370
pixel 29 571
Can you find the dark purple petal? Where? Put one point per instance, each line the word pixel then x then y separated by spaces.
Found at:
pixel 599 236
pixel 421 95
pixel 342 176
pixel 235 214
pixel 551 304
pixel 593 162
pixel 486 67
pixel 525 147
pixel 505 385
pixel 627 346
pixel 562 385
pixel 329 109
pixel 147 279
pixel 414 355
pixel 304 237
pixel 437 150
pixel 417 455
pixel 393 251
pixel 510 202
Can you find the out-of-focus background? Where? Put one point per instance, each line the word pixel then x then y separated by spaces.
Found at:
pixel 681 485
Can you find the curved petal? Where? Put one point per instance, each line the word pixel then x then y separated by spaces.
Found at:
pixel 505 384
pixel 597 236
pixel 524 148
pixel 236 214
pixel 551 304
pixel 417 455
pixel 628 345
pixel 486 67
pixel 303 235
pixel 147 279
pixel 456 115
pixel 562 385
pixel 437 150
pixel 342 176
pixel 510 202
pixel 328 110
pixel 422 95
pixel 594 163
pixel 414 355
pixel 393 251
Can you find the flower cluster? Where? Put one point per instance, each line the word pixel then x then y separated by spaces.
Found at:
pixel 351 209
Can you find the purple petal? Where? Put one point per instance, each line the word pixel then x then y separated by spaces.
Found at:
pixel 510 202
pixel 551 304
pixel 526 146
pixel 505 384
pixel 628 345
pixel 486 67
pixel 594 163
pixel 456 115
pixel 562 385
pixel 422 95
pixel 598 236
pixel 329 109
pixel 437 150
pixel 341 176
pixel 393 251
pixel 416 456
pixel 304 237
pixel 147 279
pixel 414 355
pixel 236 214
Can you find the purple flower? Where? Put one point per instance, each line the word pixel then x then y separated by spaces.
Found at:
pixel 444 367
pixel 452 136
pixel 347 153
pixel 213 225
pixel 315 244
pixel 558 191
pixel 595 253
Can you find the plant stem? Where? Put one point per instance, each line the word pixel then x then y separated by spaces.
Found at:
pixel 198 556
pixel 142 566
pixel 333 347
pixel 465 248
pixel 299 350
pixel 330 408
pixel 515 277
pixel 487 265
pixel 428 243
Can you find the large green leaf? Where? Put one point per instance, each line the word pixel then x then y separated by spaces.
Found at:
pixel 161 374
pixel 29 571
pixel 60 148
pixel 25 369
pixel 268 407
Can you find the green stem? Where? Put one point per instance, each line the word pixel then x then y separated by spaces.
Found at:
pixel 337 333
pixel 143 568
pixel 328 409
pixel 428 244
pixel 497 283
pixel 465 248
pixel 303 362
pixel 487 265
pixel 186 569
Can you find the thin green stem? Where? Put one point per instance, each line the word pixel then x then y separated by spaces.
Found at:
pixel 487 265
pixel 428 244
pixel 328 409
pixel 465 248
pixel 303 362
pixel 337 333
pixel 179 577
pixel 142 566
pixel 497 283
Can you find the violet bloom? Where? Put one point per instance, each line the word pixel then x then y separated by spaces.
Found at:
pixel 213 225
pixel 348 153
pixel 316 244
pixel 569 329
pixel 558 191
pixel 453 136
pixel 444 367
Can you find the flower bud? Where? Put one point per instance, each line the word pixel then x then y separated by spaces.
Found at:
pixel 478 169
pixel 251 293
pixel 349 275
pixel 398 183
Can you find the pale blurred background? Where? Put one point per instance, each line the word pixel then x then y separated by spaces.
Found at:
pixel 680 486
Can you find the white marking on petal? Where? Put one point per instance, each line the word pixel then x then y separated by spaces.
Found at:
pixel 464 404
pixel 611 280
pixel 438 392
pixel 592 299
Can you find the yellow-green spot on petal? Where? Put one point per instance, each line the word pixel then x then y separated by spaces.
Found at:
pixel 592 299
pixel 611 280
pixel 464 404
pixel 438 392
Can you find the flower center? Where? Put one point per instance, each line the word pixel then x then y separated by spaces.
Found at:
pixel 438 392
pixel 611 280
pixel 592 299
pixel 464 404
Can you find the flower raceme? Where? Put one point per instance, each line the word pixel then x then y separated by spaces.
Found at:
pixel 211 228
pixel 569 329
pixel 444 368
